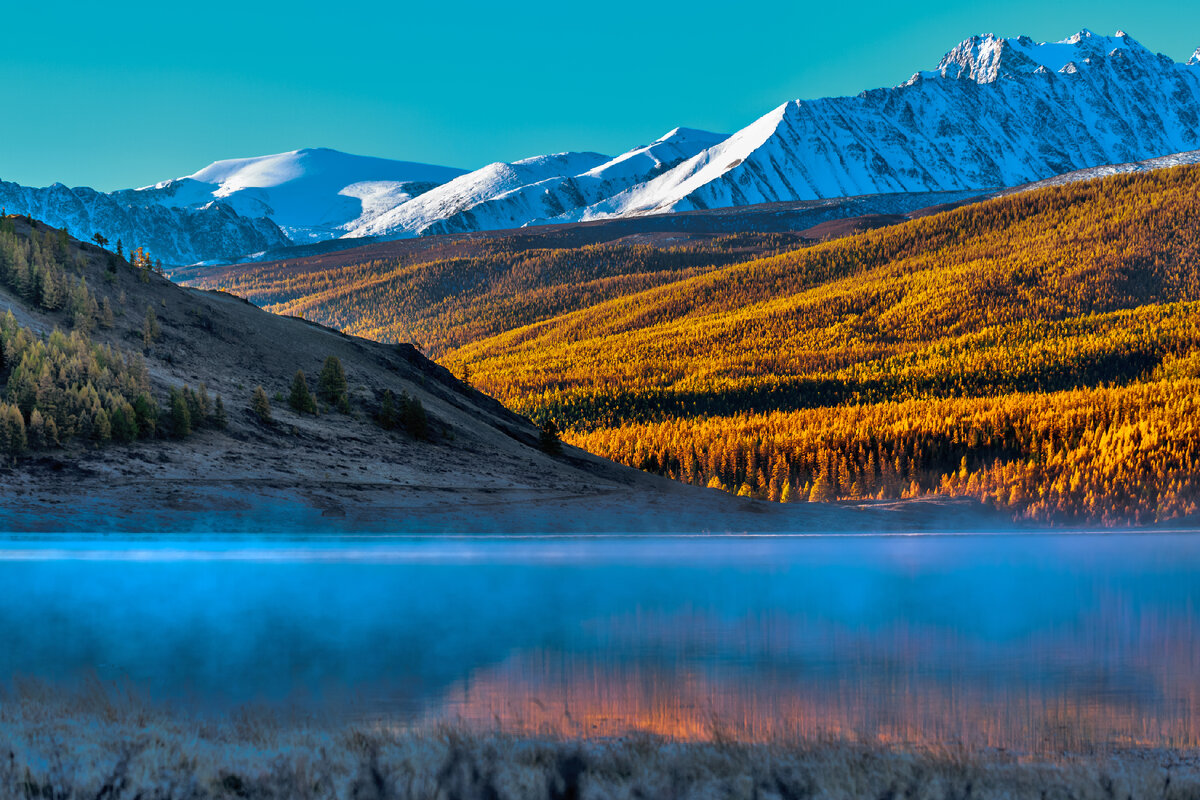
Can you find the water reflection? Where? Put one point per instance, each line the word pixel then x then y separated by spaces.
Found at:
pixel 1025 641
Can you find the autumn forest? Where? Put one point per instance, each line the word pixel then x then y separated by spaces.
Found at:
pixel 1039 352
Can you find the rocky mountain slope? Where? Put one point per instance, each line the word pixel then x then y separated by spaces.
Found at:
pixel 994 113
pixel 177 234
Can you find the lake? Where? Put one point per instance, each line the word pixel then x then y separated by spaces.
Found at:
pixel 1024 641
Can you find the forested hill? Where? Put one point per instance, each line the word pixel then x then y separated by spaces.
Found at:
pixel 130 403
pixel 1039 351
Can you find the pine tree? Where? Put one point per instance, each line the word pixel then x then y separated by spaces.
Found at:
pixel 36 430
pixel 14 424
pixel 416 422
pixel 101 427
pixel 548 438
pixel 331 384
pixel 822 490
pixel 387 413
pixel 301 398
pixel 150 328
pixel 220 418
pixel 146 412
pixel 181 415
pixel 260 405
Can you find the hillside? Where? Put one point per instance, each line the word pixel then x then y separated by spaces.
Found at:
pixel 445 291
pixel 1038 351
pixel 126 403
pixel 1016 350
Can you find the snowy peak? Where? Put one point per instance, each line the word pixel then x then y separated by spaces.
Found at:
pixel 996 112
pixel 312 194
pixel 315 165
pixel 988 58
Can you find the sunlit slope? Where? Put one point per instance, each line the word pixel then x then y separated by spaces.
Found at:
pixel 457 292
pixel 1072 310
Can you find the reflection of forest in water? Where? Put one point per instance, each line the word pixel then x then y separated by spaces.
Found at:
pixel 1025 641
pixel 928 687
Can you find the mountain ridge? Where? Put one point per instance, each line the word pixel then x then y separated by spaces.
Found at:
pixel 994 113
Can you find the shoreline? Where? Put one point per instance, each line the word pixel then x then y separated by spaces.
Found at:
pixel 103 747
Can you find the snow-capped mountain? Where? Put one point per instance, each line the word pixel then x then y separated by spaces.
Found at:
pixel 536 189
pixel 175 234
pixel 312 195
pixel 995 112
pixel 451 206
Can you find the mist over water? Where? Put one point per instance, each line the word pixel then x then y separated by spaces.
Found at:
pixel 1027 641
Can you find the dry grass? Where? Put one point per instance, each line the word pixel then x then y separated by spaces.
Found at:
pixel 106 744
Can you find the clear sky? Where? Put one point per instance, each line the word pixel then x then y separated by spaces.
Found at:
pixel 113 95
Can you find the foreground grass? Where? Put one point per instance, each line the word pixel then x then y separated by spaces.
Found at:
pixel 105 745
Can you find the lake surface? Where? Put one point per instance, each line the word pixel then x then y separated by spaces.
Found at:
pixel 1025 641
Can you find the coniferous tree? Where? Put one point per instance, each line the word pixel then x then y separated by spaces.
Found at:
pixel 150 328
pixel 261 405
pixel 331 384
pixel 416 422
pixel 387 412
pixel 181 415
pixel 220 418
pixel 301 398
pixel 146 413
pixel 548 438
pixel 101 427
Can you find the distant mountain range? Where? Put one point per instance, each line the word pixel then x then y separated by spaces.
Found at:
pixel 994 113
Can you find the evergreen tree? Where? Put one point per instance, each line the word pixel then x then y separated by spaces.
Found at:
pixel 416 422
pixel 101 427
pixel 181 415
pixel 549 439
pixel 301 398
pixel 14 425
pixel 823 490
pixel 36 430
pixel 387 413
pixel 150 328
pixel 220 418
pixel 146 413
pixel 331 384
pixel 260 405
pixel 124 423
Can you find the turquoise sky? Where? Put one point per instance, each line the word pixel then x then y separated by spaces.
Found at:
pixel 125 94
